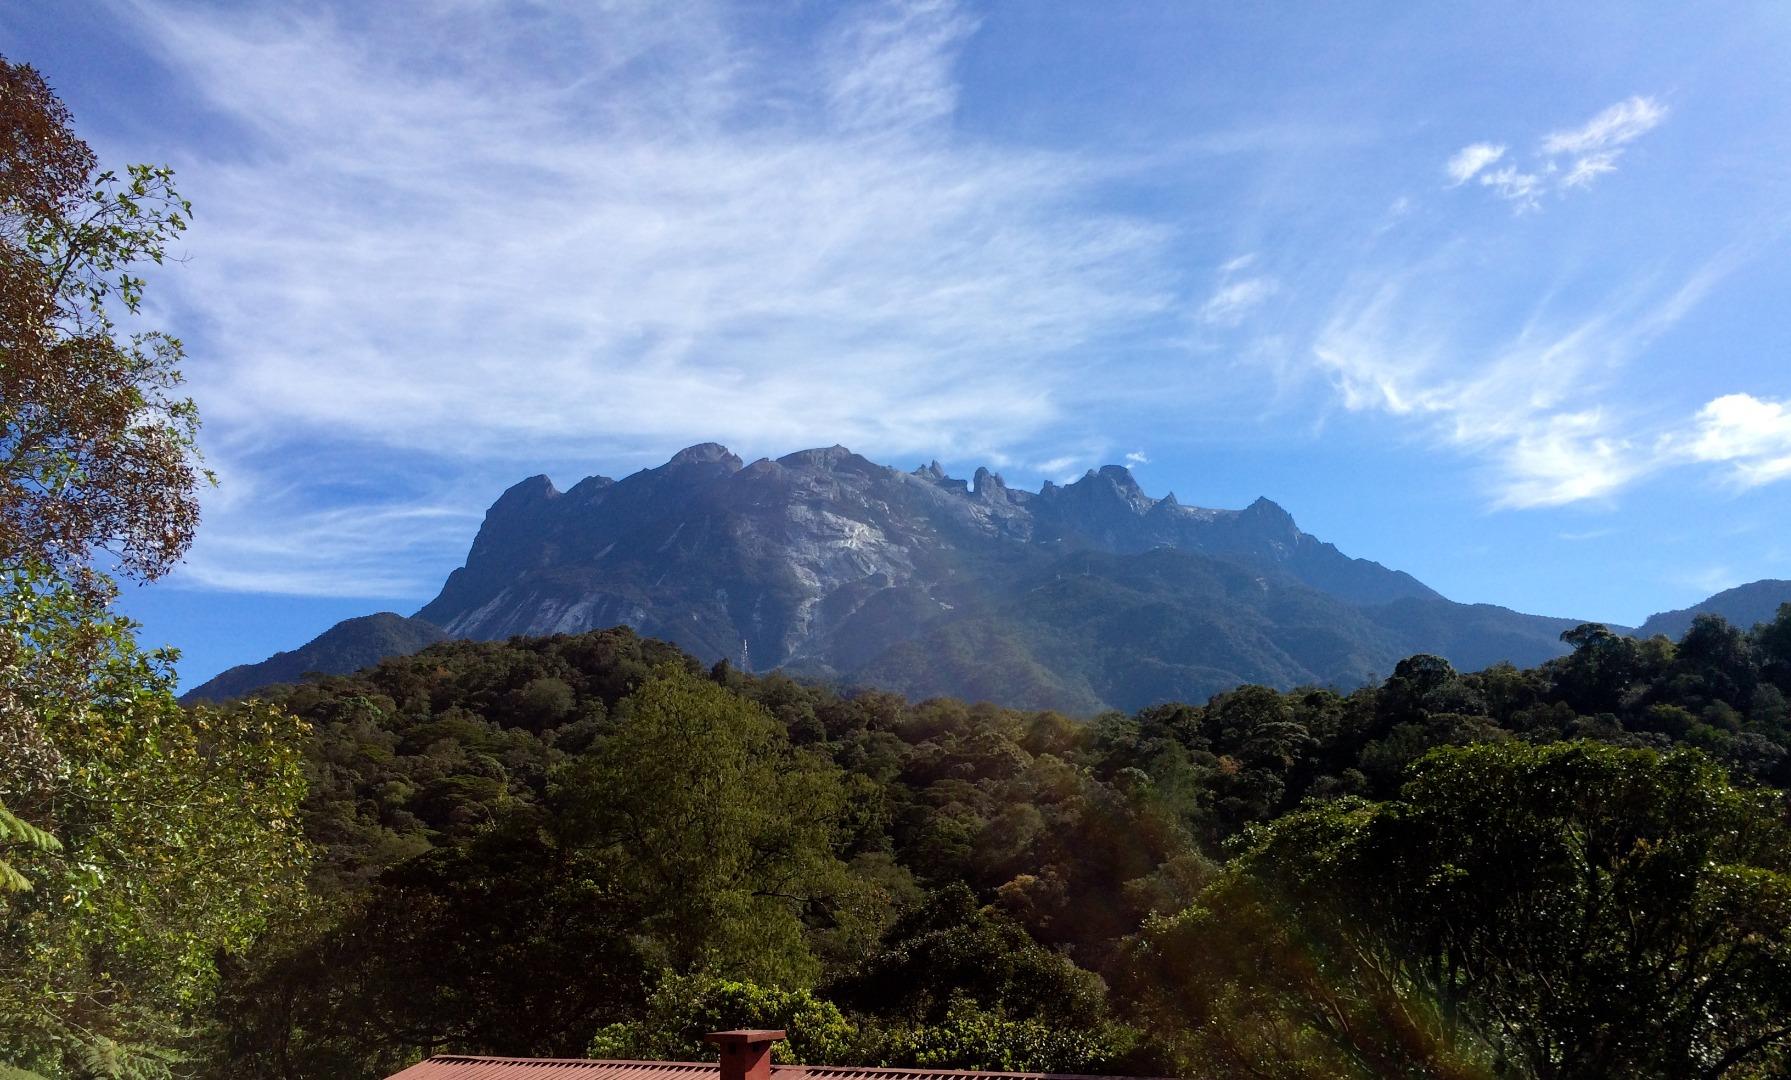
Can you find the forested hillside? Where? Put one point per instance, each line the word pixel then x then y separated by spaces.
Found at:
pixel 1743 605
pixel 591 844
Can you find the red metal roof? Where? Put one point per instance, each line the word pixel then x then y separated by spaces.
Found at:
pixel 460 1067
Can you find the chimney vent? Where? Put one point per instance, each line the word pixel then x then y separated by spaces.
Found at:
pixel 746 1053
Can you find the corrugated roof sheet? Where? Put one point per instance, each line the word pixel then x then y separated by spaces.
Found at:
pixel 463 1067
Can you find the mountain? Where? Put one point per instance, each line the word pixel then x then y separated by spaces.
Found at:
pixel 1743 606
pixel 348 646
pixel 1076 596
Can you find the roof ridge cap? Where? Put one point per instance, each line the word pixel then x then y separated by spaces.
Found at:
pixel 820 1070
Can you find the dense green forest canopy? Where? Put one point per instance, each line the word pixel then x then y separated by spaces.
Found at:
pixel 590 844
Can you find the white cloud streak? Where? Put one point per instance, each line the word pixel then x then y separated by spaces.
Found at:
pixel 1236 297
pixel 359 550
pixel 1232 302
pixel 1591 151
pixel 475 238
pixel 1471 159
pixel 1623 122
pixel 1522 189
pixel 1524 402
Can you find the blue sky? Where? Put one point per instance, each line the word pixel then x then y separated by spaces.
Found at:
pixel 1500 296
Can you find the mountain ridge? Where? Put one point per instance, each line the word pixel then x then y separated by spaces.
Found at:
pixel 1091 593
pixel 1743 605
pixel 346 647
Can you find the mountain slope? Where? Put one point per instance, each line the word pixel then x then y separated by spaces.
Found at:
pixel 346 647
pixel 1076 596
pixel 1743 606
pixel 712 553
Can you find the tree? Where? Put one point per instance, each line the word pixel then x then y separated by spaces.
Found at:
pixel 96 451
pixel 1602 665
pixel 157 838
pixel 1572 910
pixel 1772 640
pixel 953 949
pixel 684 1008
pixel 1716 662
pixel 178 839
pixel 507 945
pixel 719 828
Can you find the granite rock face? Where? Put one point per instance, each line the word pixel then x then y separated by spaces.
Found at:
pixel 711 552
pixel 824 562
pixel 1077 596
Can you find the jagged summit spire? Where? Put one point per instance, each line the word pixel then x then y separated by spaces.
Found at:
pixel 1121 476
pixel 1267 515
pixel 988 485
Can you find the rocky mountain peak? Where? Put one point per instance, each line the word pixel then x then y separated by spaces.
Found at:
pixel 708 453
pixel 537 488
pixel 1265 512
pixel 823 458
pixel 1112 487
pixel 589 487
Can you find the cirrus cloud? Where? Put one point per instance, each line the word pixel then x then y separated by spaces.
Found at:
pixel 454 235
pixel 1567 159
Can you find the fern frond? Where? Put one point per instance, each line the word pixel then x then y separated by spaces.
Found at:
pixel 101 1057
pixel 16 830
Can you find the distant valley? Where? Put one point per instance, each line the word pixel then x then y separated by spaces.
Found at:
pixel 1077 597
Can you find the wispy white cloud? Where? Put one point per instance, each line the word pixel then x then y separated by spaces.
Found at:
pixel 1595 147
pixel 1137 457
pixel 1236 296
pixel 368 549
pixel 1471 159
pixel 1623 122
pixel 1590 151
pixel 1231 302
pixel 1589 168
pixel 891 70
pixel 474 238
pixel 1524 402
pixel 1519 188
